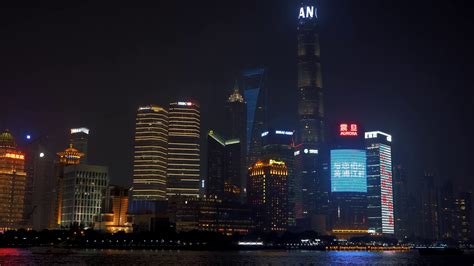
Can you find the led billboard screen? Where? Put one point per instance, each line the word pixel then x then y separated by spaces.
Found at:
pixel 348 170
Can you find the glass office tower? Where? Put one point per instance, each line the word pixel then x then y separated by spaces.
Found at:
pixel 379 182
pixel 184 149
pixel 255 95
pixel 150 155
pixel 311 179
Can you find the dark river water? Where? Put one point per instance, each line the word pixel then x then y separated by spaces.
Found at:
pixel 16 256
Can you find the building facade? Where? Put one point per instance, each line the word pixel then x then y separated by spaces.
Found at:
pixel 184 149
pixel 215 178
pixel 446 211
pixel 379 182
pixel 39 166
pixel 268 194
pixel 348 180
pixel 348 189
pixel 255 95
pixel 236 129
pixel 150 154
pixel 12 183
pixel 401 203
pixel 79 138
pixel 224 160
pixel 278 144
pixel 84 189
pixel 69 156
pixel 462 216
pixel 114 216
pixel 429 212
pixel 210 214
pixel 312 191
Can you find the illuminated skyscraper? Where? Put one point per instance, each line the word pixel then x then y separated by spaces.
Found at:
pixel 70 156
pixel 12 183
pixel 268 194
pixel 348 189
pixel 80 141
pixel 379 182
pixel 278 144
pixel 311 181
pixel 150 155
pixel 236 129
pixel 183 149
pixel 310 106
pixel 223 168
pixel 348 186
pixel 255 95
pixel 84 187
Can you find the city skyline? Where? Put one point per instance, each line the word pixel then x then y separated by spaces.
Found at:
pixel 412 124
pixel 285 125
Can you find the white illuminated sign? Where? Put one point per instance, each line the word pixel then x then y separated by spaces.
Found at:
pixel 264 133
pixel 79 130
pixel 373 134
pixel 185 103
pixel 281 132
pixel 144 108
pixel 297 153
pixel 313 151
pixel 305 150
pixel 308 12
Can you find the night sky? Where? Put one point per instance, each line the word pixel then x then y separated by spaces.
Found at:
pixel 403 67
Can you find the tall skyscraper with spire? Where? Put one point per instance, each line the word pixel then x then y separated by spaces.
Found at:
pixel 236 122
pixel 311 186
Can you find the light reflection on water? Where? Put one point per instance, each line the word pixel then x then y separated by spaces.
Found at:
pixel 267 257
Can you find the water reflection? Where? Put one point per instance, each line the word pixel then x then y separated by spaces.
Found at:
pixel 12 256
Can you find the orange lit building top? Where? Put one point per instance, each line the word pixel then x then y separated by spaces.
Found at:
pixel 12 183
pixel 70 156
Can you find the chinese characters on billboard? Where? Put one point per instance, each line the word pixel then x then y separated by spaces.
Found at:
pixel 348 170
pixel 348 130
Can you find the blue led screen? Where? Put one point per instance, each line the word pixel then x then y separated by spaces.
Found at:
pixel 348 170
